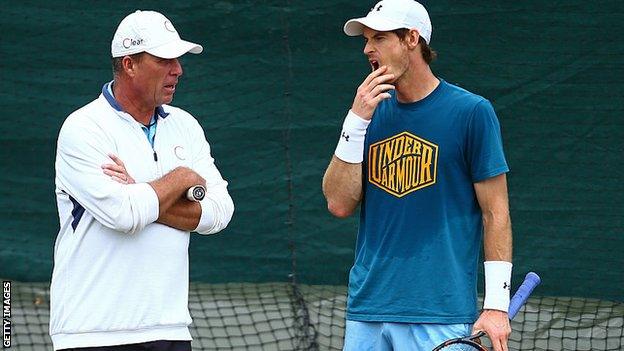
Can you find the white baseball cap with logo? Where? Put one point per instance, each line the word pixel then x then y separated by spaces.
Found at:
pixel 151 32
pixel 389 15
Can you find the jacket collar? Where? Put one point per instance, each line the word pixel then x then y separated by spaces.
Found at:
pixel 107 91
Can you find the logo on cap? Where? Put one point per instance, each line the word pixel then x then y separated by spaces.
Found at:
pixel 377 7
pixel 127 43
pixel 169 27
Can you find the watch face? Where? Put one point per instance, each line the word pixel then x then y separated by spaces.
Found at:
pixel 199 193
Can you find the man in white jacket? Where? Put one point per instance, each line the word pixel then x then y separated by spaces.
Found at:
pixel 134 176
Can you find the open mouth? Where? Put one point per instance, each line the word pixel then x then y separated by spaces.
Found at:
pixel 374 64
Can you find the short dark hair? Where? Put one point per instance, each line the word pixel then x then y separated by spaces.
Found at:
pixel 428 54
pixel 116 62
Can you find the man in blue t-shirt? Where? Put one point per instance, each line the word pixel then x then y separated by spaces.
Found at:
pixel 425 160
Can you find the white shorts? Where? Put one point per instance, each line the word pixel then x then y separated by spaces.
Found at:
pixel 386 336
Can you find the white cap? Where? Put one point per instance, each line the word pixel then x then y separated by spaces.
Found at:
pixel 151 32
pixel 389 15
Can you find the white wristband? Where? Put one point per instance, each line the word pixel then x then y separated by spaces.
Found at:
pixel 497 285
pixel 351 144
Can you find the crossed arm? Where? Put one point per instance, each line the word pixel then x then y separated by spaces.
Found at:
pixel 175 210
pixel 88 174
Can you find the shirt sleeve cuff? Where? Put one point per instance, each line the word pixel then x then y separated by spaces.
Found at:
pixel 146 200
pixel 206 220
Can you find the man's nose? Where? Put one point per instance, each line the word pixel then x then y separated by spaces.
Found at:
pixel 176 68
pixel 368 48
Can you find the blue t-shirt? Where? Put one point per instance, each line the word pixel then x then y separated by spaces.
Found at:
pixel 420 228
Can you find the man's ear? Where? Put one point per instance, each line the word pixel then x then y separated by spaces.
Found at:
pixel 129 65
pixel 412 38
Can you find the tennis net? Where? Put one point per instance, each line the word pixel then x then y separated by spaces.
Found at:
pixel 289 316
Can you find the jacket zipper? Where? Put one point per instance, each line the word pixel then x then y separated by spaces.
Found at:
pixel 154 149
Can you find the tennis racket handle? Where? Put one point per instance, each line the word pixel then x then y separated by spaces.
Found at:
pixel 522 294
pixel 196 193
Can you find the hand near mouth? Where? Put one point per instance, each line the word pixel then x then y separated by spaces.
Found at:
pixel 370 93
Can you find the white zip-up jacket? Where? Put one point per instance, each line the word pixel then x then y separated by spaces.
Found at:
pixel 119 277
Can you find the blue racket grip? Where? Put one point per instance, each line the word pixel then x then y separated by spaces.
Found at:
pixel 522 294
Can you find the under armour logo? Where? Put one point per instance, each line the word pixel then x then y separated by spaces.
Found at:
pixel 345 135
pixel 379 6
pixel 506 286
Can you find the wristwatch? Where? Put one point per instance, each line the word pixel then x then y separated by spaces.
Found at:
pixel 196 193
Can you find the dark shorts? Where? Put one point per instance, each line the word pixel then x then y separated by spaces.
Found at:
pixel 160 345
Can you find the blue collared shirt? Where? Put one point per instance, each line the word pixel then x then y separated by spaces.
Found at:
pixel 150 129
